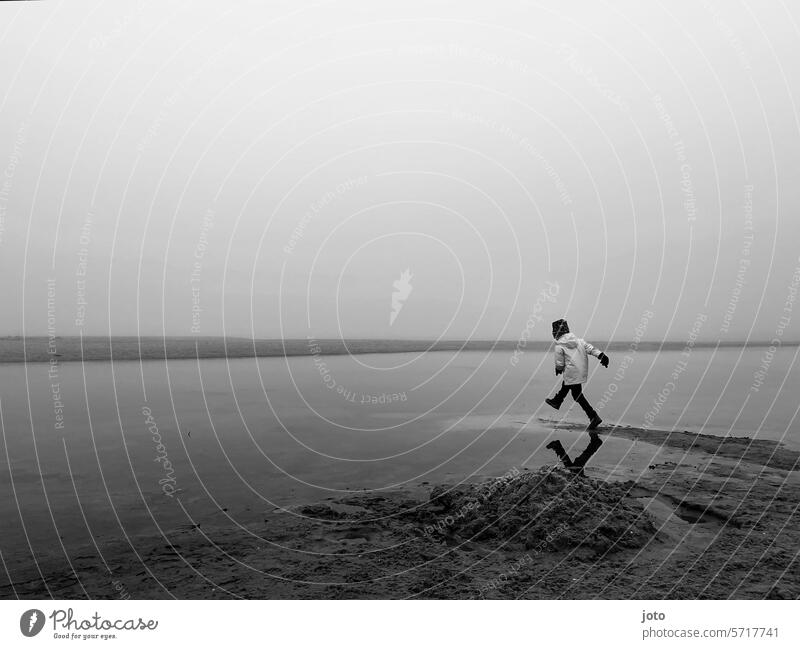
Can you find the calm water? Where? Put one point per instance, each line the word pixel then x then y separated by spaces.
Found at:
pixel 248 435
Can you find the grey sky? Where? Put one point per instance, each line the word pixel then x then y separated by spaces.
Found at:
pixel 279 165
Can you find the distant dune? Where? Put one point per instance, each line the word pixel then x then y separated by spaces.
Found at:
pixel 18 349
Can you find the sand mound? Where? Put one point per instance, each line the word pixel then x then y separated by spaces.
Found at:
pixel 546 511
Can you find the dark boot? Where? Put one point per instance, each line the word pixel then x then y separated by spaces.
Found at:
pixel 594 443
pixel 558 449
pixel 594 422
pixel 556 400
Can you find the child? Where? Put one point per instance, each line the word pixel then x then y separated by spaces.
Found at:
pixel 572 361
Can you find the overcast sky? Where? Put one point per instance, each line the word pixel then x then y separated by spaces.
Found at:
pixel 272 169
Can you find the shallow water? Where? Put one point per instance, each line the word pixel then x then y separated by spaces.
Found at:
pixel 248 435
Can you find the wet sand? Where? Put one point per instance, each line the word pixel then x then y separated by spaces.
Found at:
pixel 719 520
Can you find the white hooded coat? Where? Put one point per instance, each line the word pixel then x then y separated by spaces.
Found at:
pixel 572 355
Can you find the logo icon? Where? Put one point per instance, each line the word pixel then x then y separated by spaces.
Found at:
pixel 31 622
pixel 402 290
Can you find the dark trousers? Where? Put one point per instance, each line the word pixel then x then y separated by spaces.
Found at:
pixel 577 394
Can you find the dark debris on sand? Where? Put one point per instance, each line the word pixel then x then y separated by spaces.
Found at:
pixel 548 510
pixel 727 531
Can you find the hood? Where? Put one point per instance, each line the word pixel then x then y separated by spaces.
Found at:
pixel 569 340
pixel 560 327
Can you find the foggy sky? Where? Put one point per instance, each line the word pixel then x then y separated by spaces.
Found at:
pixel 272 169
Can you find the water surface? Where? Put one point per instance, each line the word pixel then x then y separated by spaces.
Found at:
pixel 236 437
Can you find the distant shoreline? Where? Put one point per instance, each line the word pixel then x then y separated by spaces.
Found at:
pixel 37 349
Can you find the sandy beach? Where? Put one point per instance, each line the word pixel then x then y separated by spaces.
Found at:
pixel 715 518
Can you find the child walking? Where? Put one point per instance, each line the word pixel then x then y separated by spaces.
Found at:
pixel 572 360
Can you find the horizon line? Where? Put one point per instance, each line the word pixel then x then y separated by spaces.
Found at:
pixel 703 341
